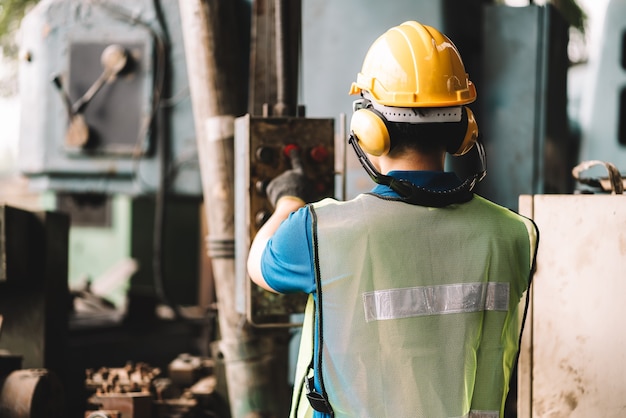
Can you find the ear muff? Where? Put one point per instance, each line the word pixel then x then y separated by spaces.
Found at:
pixel 370 127
pixel 469 138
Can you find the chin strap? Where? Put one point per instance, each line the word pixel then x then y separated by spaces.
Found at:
pixel 417 195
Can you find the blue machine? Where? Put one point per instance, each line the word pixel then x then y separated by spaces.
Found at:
pixel 104 98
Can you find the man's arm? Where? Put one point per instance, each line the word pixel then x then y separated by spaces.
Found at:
pixel 284 206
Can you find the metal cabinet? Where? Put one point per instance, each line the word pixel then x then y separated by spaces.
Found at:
pixel 573 357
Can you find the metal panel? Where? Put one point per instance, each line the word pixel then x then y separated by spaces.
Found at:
pixel 259 157
pixel 572 362
pixel 524 127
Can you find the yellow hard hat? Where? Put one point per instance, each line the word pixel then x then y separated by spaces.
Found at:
pixel 414 65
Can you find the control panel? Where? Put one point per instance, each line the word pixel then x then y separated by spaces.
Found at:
pixel 262 152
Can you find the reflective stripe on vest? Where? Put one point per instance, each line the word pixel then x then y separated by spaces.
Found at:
pixel 483 414
pixel 435 300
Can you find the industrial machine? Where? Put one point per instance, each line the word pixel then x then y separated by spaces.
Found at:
pixel 33 393
pixel 262 151
pixel 107 118
pixel 109 114
pixel 104 88
pixel 264 139
pixel 103 85
pixel 137 390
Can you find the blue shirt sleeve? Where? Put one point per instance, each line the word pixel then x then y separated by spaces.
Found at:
pixel 287 263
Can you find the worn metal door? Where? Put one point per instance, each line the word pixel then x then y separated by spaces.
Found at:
pixel 573 355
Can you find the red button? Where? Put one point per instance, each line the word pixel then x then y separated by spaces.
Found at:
pixel 290 147
pixel 319 154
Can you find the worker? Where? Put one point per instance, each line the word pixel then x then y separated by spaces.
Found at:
pixel 417 287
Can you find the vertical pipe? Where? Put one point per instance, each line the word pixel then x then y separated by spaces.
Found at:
pixel 280 108
pixel 250 356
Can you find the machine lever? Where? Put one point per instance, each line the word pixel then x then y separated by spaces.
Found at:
pixel 113 60
pixel 66 99
pixel 293 153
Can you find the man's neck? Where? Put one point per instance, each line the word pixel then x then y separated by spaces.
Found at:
pixel 412 161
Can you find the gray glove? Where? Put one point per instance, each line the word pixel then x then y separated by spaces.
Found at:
pixel 292 182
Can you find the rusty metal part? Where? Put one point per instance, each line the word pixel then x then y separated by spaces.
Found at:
pixel 614 183
pixel 31 393
pixel 135 378
pixel 186 369
pixel 130 405
pixel 77 131
pixel 274 58
pixel 102 413
pixel 113 60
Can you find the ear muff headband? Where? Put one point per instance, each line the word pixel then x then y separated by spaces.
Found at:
pixel 369 125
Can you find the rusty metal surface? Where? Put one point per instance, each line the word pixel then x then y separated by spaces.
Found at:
pixel 130 405
pixel 260 145
pixel 135 378
pixel 31 393
pixel 572 361
pixel 274 57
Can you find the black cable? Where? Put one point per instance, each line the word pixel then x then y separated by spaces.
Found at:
pixel 416 195
pixel 162 149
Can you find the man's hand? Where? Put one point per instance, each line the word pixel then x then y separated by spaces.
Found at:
pixel 292 182
pixel 291 185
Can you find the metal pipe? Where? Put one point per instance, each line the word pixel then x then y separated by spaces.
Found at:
pixel 281 108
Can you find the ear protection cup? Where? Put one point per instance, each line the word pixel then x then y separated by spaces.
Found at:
pixel 370 127
pixel 470 136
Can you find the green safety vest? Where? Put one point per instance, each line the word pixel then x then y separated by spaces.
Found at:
pixel 417 308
